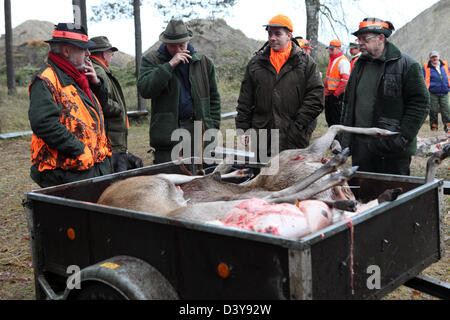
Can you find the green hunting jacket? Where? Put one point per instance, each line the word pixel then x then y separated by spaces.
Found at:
pixel 158 82
pixel 289 101
pixel 402 99
pixel 114 110
pixel 44 117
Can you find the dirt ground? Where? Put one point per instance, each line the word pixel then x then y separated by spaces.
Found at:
pixel 16 275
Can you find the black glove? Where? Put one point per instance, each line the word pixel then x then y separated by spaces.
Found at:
pixel 134 161
pixel 391 145
pixel 119 161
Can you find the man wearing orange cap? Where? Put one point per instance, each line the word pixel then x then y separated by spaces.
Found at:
pixel 282 89
pixel 385 90
pixel 338 72
pixel 304 44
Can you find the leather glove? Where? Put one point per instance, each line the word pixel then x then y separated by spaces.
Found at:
pixel 391 145
pixel 134 161
pixel 119 161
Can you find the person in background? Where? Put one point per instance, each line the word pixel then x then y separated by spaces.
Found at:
pixel 437 79
pixel 385 90
pixel 304 44
pixel 338 72
pixel 355 53
pixel 182 86
pixel 69 141
pixel 115 109
pixel 282 89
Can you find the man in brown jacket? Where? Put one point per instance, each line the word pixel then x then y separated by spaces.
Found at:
pixel 282 89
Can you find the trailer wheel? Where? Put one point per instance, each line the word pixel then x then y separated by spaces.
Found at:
pixel 99 291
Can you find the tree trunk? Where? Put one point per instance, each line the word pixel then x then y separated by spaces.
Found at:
pixel 10 75
pixel 79 13
pixel 138 47
pixel 312 24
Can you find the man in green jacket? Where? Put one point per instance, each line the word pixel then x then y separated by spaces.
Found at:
pixel 181 84
pixel 282 89
pixel 385 90
pixel 115 109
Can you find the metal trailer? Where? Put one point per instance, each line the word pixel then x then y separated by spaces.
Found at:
pixel 136 255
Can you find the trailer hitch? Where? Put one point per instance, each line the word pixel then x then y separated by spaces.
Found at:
pixel 431 286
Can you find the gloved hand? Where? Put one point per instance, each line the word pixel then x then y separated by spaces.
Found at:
pixel 134 161
pixel 119 161
pixel 391 145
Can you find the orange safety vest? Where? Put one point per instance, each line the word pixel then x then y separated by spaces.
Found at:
pixel 333 75
pixel 76 118
pixel 352 63
pixel 428 73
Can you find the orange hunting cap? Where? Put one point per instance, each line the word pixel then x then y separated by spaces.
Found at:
pixel 304 43
pixel 335 43
pixel 280 21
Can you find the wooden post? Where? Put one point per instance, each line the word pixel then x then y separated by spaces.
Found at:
pixel 10 75
pixel 79 13
pixel 138 47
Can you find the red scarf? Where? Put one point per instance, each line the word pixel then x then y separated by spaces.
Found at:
pixel 68 68
pixel 332 58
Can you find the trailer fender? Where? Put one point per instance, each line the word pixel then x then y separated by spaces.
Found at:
pixel 130 277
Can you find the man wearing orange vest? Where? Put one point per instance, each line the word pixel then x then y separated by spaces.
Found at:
pixel 69 141
pixel 281 90
pixel 338 72
pixel 355 54
pixel 437 79
pixel 115 109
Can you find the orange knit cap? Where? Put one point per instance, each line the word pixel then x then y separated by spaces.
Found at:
pixel 335 43
pixel 280 21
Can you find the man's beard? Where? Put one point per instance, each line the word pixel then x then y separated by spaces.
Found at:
pixel 79 67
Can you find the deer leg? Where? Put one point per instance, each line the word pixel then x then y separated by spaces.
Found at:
pixel 335 179
pixel 178 178
pixel 242 173
pixel 434 161
pixel 336 147
pixel 389 195
pixel 321 145
pixel 327 168
pixel 346 205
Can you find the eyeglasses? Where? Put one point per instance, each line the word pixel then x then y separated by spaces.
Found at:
pixel 365 39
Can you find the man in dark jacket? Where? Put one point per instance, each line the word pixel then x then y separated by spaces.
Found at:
pixel 282 90
pixel 69 142
pixel 437 79
pixel 182 86
pixel 385 90
pixel 115 109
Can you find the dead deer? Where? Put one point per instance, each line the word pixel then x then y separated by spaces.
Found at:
pixel 211 198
